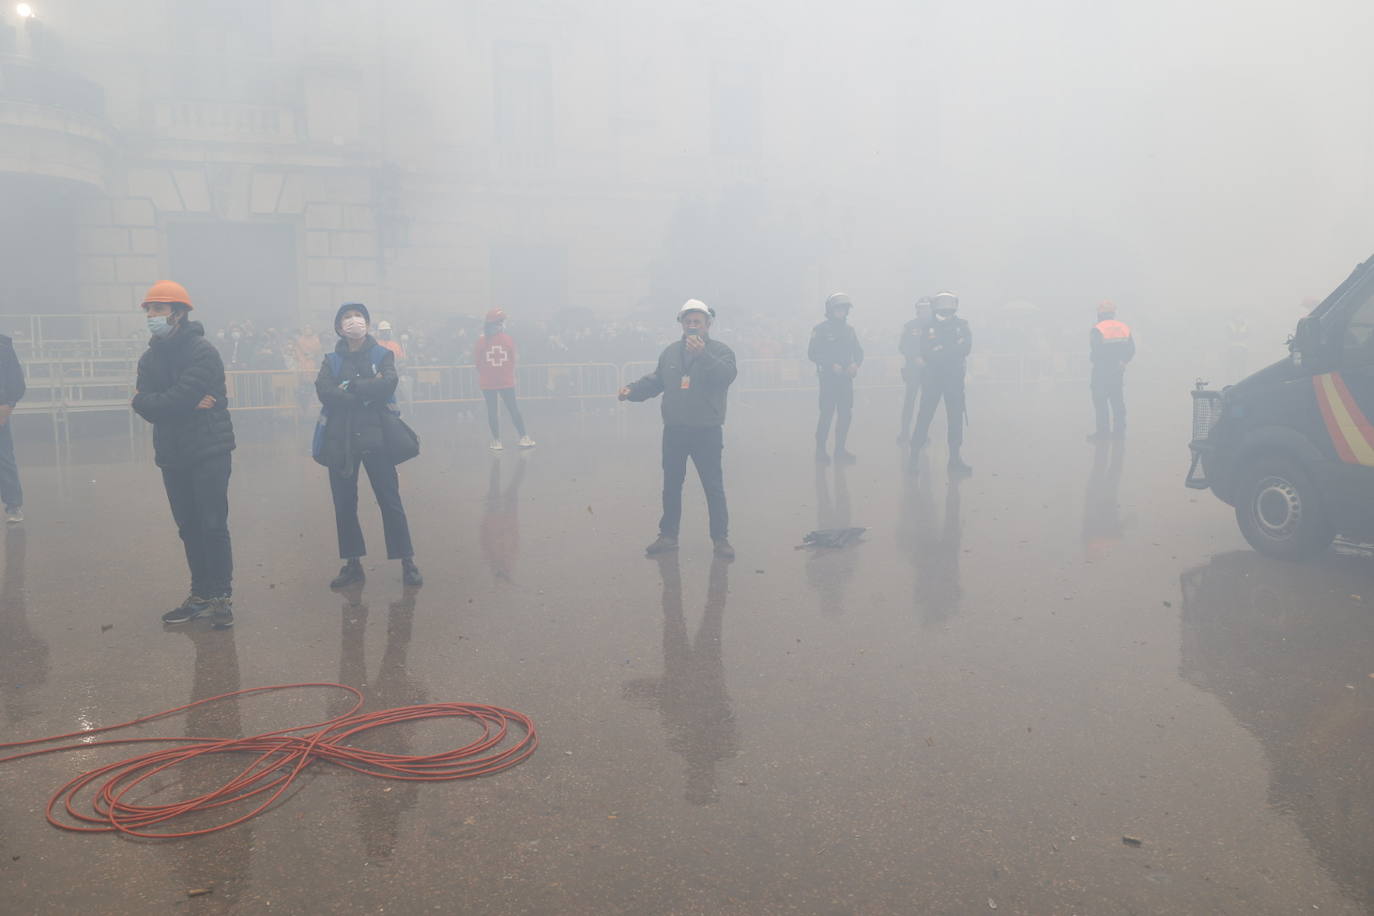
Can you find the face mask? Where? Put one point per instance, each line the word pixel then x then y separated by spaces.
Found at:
pixel 692 332
pixel 354 328
pixel 159 326
pixel 944 316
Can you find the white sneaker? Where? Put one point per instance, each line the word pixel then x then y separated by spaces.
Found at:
pixel 496 445
pixel 15 516
pixel 526 442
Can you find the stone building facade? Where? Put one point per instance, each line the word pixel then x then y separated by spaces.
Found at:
pixel 280 157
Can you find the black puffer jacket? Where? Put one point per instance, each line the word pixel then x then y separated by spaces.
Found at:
pixel 174 374
pixel 12 386
pixel 354 422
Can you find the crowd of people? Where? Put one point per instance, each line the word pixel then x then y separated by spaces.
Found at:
pixel 583 338
pixel 181 389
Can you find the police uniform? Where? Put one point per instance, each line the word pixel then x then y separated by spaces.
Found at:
pixel 945 345
pixel 834 343
pixel 910 347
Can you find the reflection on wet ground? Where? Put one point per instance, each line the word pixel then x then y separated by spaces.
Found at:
pixel 969 708
pixel 1288 649
pixel 691 694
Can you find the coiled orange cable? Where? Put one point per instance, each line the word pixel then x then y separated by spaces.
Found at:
pixel 278 758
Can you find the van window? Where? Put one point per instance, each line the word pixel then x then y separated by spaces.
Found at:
pixel 1357 345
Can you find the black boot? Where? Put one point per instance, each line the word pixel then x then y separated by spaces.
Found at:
pixel 351 573
pixel 958 467
pixel 410 574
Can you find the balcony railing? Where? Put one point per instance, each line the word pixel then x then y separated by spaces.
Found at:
pixel 24 80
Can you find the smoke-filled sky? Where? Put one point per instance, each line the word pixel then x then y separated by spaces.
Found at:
pixel 1169 155
pixel 1173 155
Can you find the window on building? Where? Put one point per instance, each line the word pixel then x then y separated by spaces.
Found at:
pixel 736 106
pixel 529 278
pixel 207 257
pixel 523 103
pixel 232 28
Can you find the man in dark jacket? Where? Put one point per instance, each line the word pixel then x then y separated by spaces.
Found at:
pixel 694 376
pixel 356 383
pixel 913 332
pixel 836 352
pixel 181 391
pixel 945 347
pixel 1111 346
pixel 12 388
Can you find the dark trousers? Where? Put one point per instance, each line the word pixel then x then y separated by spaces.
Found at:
pixel 935 386
pixel 912 377
pixel 10 491
pixel 1109 402
pixel 387 488
pixel 704 446
pixel 494 418
pixel 199 497
pixel 837 402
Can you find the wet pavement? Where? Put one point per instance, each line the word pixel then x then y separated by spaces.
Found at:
pixel 966 712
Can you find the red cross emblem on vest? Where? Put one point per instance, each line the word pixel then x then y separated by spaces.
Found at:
pixel 497 356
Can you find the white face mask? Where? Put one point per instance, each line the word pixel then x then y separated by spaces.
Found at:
pixel 354 327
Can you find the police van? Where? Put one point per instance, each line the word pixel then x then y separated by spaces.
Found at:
pixel 1291 446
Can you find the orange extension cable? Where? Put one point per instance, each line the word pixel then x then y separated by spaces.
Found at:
pixel 278 758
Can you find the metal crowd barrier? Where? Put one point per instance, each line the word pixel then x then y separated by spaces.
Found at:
pixel 535 381
pixel 63 386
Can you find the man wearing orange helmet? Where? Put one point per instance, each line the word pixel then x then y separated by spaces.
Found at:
pixel 181 391
pixel 494 357
pixel 1111 347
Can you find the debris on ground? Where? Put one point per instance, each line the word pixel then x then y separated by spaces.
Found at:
pixel 832 537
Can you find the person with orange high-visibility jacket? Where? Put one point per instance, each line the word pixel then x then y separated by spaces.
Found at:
pixel 1111 346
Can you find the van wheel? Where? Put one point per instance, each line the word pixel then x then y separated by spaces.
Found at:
pixel 1280 512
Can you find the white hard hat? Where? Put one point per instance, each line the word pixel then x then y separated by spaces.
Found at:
pixel 695 305
pixel 384 325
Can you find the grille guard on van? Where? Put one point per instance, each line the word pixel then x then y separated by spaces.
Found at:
pixel 1197 473
pixel 1206 411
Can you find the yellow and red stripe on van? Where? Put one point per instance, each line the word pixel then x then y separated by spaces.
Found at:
pixel 1350 431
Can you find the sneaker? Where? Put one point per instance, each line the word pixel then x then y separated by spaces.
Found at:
pixel 496 445
pixel 410 574
pixel 352 572
pixel 14 516
pixel 664 544
pixel 845 457
pixel 957 466
pixel 723 549
pixel 221 613
pixel 190 609
pixel 526 442
pixel 822 457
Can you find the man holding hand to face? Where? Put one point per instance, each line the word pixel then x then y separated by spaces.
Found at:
pixel 693 375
